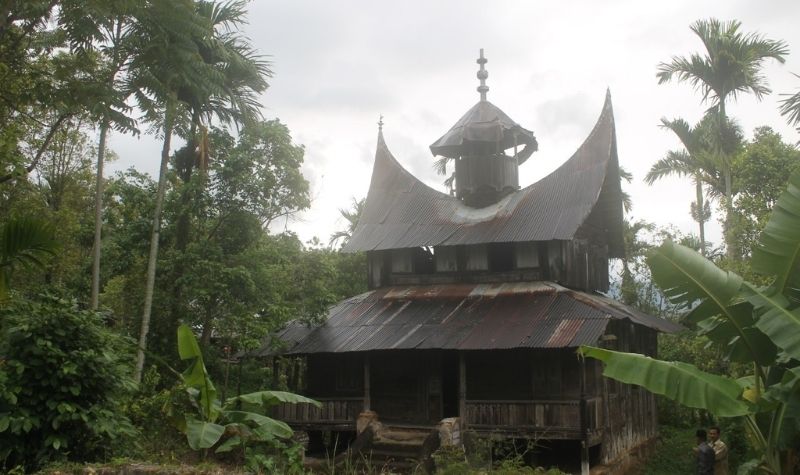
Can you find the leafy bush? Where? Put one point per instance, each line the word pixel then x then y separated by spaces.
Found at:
pixel 147 411
pixel 62 381
pixel 450 459
pixel 481 455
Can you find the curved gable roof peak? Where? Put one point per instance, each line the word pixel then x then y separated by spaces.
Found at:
pixel 401 211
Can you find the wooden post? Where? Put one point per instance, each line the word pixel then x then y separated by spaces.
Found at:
pixel 462 389
pixel 584 422
pixel 367 401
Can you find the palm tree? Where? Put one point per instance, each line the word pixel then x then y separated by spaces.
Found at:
pixel 731 66
pixel 696 161
pixel 232 100
pixel 115 30
pixel 192 66
pixel 352 216
pixel 790 107
pixel 24 241
pixel 167 60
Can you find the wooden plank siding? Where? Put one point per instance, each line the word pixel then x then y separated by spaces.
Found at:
pixel 555 416
pixel 338 411
pixel 630 415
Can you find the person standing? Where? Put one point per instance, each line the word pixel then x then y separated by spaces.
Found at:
pixel 720 451
pixel 704 454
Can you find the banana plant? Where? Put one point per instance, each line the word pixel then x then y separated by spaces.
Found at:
pixel 213 419
pixel 755 325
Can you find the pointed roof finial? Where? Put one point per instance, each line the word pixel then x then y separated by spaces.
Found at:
pixel 482 75
pixel 380 123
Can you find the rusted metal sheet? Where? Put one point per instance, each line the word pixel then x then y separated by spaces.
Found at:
pixel 464 317
pixel 400 211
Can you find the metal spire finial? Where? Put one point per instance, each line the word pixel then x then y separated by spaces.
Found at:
pixel 482 75
pixel 380 124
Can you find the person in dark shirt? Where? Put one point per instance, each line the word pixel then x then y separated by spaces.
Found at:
pixel 704 454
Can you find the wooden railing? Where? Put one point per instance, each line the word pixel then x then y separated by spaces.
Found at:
pixel 333 411
pixel 540 415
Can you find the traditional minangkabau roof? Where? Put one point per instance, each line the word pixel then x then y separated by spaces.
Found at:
pixel 583 193
pixel 464 317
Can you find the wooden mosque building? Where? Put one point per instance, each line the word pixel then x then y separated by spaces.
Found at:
pixel 479 299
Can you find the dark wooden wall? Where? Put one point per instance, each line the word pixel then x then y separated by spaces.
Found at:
pixel 523 374
pixel 335 375
pixel 410 386
pixel 630 414
pixel 580 264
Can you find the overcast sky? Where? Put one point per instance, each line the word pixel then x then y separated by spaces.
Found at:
pixel 340 65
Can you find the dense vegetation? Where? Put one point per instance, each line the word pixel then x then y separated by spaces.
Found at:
pixel 738 364
pixel 190 247
pixel 90 303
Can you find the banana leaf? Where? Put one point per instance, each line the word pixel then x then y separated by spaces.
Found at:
pixel 196 376
pixel 261 424
pixel 270 398
pixel 689 279
pixel 739 336
pixel 202 434
pixel 229 444
pixel 681 382
pixel 777 320
pixel 778 250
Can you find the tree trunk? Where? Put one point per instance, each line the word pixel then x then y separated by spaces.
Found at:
pixel 205 335
pixel 154 237
pixel 42 149
pixel 701 214
pixel 730 240
pixel 98 215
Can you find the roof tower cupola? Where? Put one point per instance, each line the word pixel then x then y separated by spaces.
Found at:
pixel 487 147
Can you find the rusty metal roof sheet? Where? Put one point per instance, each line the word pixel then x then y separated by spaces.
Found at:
pixel 400 211
pixel 464 317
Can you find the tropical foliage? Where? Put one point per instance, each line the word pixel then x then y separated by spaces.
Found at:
pixel 790 107
pixel 753 324
pixel 699 160
pixel 244 418
pixel 351 216
pixel 732 65
pixel 63 379
pixel 24 241
pixel 71 69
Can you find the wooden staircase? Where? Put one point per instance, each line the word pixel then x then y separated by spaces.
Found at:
pixel 392 449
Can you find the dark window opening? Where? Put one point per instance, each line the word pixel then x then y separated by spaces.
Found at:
pixel 501 257
pixel 423 261
pixel 450 384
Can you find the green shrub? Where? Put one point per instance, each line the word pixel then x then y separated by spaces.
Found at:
pixel 63 377
pixel 450 460
pixel 150 410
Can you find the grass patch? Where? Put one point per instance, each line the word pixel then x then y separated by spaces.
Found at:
pixel 674 452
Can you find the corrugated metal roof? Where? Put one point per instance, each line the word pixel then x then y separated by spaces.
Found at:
pixel 400 211
pixel 485 122
pixel 464 317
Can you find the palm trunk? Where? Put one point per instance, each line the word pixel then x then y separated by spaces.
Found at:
pixel 154 237
pixel 98 198
pixel 730 240
pixel 701 214
pixel 98 215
